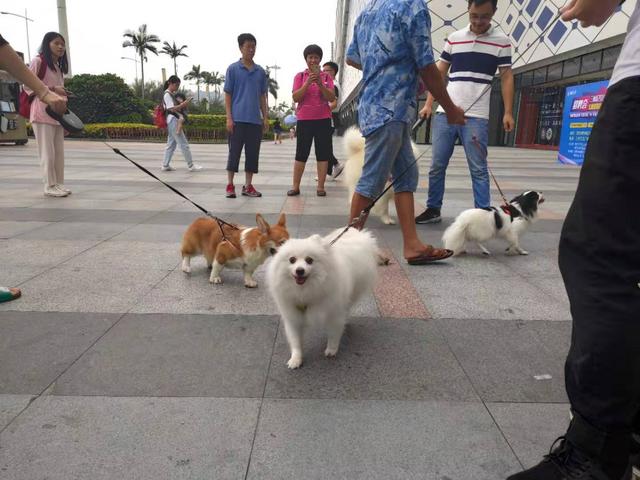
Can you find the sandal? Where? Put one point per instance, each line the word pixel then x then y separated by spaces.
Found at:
pixel 8 294
pixel 321 193
pixel 430 255
pixel 293 192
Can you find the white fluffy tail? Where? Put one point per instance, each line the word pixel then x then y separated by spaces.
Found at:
pixel 353 141
pixel 455 236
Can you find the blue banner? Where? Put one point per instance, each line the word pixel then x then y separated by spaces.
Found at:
pixel 581 106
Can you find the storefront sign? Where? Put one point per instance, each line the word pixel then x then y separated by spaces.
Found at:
pixel 581 106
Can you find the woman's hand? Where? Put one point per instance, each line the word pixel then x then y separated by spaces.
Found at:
pixel 60 91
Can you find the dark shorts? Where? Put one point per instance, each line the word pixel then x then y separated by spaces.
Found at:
pixel 317 132
pixel 249 136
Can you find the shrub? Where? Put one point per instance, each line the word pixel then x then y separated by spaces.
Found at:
pixel 105 98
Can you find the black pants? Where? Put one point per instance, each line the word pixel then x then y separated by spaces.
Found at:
pixel 600 263
pixel 249 136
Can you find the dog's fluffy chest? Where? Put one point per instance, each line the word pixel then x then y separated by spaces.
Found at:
pixel 253 255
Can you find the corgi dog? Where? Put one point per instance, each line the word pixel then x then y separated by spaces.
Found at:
pixel 245 248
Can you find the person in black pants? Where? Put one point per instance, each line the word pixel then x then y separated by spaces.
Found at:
pixel 600 264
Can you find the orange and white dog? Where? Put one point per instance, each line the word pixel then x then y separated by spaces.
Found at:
pixel 246 248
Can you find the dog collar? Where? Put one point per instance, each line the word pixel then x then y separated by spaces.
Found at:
pixel 301 308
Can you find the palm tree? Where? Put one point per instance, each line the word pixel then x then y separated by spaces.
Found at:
pixel 207 79
pixel 141 41
pixel 272 85
pixel 195 74
pixel 218 79
pixel 174 52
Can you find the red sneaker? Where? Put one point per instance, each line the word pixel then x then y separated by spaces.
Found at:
pixel 249 191
pixel 231 191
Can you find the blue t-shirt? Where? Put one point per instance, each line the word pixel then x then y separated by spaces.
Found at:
pixel 392 42
pixel 246 87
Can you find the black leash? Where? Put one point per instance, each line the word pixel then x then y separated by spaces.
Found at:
pixel 221 223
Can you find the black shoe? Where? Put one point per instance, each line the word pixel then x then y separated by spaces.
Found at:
pixel 568 463
pixel 430 215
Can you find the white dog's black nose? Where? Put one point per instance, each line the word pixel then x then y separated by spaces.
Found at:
pixel 300 271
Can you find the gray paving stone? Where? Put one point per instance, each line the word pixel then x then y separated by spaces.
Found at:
pixel 177 356
pixel 114 289
pixel 153 233
pixel 35 348
pixel 110 254
pixel 75 231
pixel 10 408
pixel 33 215
pixel 60 438
pixel 41 253
pixel 503 358
pixel 319 439
pixel 378 359
pixel 531 428
pixel 15 275
pixel 11 229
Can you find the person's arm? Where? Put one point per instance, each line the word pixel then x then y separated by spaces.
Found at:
pixel 432 78
pixel 328 94
pixel 508 89
pixel 300 90
pixel 427 110
pixel 589 12
pixel 227 107
pixel 265 113
pixel 12 63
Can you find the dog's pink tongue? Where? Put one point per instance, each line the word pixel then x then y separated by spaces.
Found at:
pixel 301 280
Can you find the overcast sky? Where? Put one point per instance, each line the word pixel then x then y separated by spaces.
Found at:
pixel 209 28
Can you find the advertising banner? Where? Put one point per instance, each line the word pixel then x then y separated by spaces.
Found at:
pixel 581 106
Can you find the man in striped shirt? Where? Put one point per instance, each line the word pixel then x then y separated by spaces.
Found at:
pixel 471 57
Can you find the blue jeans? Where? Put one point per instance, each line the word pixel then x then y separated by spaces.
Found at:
pixel 444 138
pixel 173 141
pixel 388 151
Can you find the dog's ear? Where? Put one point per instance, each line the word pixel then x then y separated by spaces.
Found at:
pixel 262 224
pixel 282 220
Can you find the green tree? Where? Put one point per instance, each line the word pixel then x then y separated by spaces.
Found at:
pixel 195 74
pixel 217 79
pixel 207 79
pixel 272 85
pixel 105 98
pixel 141 41
pixel 174 52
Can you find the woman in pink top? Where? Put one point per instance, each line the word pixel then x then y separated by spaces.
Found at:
pixel 312 91
pixel 49 133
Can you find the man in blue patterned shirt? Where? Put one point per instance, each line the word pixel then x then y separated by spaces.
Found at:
pixel 392 46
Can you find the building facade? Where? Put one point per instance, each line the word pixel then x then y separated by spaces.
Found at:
pixel 546 63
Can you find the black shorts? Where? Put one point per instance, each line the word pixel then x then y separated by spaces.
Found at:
pixel 317 131
pixel 249 136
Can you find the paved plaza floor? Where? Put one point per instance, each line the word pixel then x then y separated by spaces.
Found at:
pixel 116 365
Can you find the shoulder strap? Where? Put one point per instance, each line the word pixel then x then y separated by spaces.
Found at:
pixel 42 69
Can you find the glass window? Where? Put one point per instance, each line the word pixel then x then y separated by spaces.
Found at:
pixel 540 75
pixel 527 78
pixel 591 62
pixel 610 57
pixel 554 72
pixel 571 68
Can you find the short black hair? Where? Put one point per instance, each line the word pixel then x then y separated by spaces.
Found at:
pixel 312 49
pixel 333 66
pixel 482 2
pixel 246 37
pixel 180 95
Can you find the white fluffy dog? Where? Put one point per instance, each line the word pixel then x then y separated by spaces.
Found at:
pixel 314 282
pixel 354 151
pixel 479 225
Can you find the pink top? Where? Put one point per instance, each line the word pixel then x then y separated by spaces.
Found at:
pixel 52 78
pixel 313 105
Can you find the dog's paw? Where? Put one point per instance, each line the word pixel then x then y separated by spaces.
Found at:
pixel 215 280
pixel 294 362
pixel 523 252
pixel 387 220
pixel 251 284
pixel 511 251
pixel 186 269
pixel 330 353
pixel 383 259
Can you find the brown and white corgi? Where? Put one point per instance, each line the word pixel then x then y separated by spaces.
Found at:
pixel 246 247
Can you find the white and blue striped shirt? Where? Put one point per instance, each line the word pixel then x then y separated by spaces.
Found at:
pixel 474 61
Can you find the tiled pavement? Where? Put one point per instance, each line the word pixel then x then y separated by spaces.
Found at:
pixel 114 364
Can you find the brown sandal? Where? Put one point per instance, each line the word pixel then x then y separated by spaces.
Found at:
pixel 430 255
pixel 293 192
pixel 321 193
